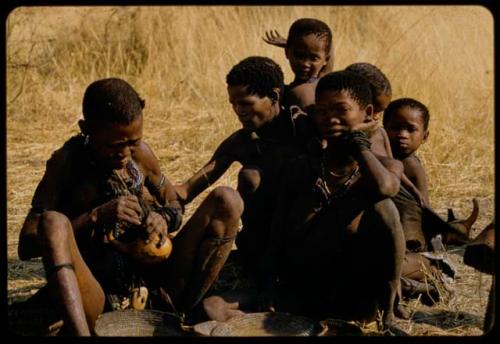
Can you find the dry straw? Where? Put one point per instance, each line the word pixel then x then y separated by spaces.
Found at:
pixel 177 58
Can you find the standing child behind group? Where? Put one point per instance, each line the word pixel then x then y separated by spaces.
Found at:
pixel 309 49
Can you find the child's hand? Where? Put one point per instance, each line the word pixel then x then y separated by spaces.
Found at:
pixel 418 196
pixel 274 38
pixel 123 208
pixel 156 226
pixel 367 126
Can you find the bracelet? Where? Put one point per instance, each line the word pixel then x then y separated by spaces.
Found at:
pixel 357 141
pixel 172 216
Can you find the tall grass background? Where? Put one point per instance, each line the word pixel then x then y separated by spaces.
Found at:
pixel 177 58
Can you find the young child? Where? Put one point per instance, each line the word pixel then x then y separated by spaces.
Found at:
pixel 268 137
pixel 96 186
pixel 309 49
pixel 406 121
pixel 336 246
pixel 382 93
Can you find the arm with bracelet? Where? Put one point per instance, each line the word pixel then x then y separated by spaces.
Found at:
pixel 382 175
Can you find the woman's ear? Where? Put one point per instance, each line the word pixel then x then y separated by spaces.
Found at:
pixel 83 126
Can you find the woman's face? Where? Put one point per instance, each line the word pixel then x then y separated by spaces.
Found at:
pixel 252 110
pixel 115 143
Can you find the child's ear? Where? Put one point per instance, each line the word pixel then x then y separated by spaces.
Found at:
pixel 369 112
pixel 426 135
pixel 276 95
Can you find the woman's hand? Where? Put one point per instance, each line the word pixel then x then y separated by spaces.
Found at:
pixel 123 208
pixel 156 227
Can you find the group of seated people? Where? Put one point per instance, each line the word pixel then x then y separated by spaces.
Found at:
pixel 330 201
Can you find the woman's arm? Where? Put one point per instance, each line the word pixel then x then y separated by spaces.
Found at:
pixel 217 165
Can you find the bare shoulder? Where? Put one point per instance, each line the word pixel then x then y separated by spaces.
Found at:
pixel 412 162
pixel 232 144
pixel 63 157
pixel 145 158
pixel 303 94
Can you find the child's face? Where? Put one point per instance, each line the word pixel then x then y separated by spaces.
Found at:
pixel 252 110
pixel 406 131
pixel 337 112
pixel 307 56
pixel 115 143
pixel 380 104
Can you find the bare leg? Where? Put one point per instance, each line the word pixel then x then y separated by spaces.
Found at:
pixel 202 247
pixel 395 246
pixel 77 292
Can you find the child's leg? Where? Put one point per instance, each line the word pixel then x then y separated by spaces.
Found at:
pixel 77 292
pixel 202 247
pixel 390 244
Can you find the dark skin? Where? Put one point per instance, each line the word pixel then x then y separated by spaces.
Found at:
pixel 381 145
pixel 253 112
pixel 406 133
pixel 308 59
pixel 337 115
pixel 59 237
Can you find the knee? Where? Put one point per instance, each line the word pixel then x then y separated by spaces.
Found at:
pixel 54 226
pixel 248 180
pixel 227 202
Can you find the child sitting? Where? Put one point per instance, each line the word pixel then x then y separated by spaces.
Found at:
pixel 336 245
pixel 406 121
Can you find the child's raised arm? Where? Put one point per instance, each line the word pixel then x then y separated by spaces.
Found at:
pixel 273 37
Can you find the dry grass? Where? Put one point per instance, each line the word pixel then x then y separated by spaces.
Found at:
pixel 177 58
